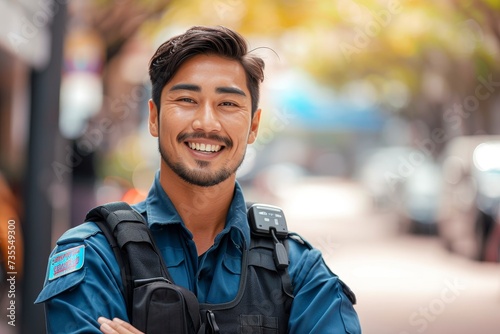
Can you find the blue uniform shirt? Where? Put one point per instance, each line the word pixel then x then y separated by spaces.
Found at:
pixel 84 283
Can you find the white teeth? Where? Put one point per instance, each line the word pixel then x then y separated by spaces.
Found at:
pixel 204 147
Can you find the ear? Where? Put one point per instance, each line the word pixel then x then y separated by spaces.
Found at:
pixel 153 119
pixel 254 127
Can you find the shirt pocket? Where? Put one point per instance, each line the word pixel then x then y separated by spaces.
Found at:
pixel 222 283
pixel 176 265
pixel 174 257
pixel 232 264
pixel 61 285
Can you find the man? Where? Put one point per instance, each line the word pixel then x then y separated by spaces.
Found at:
pixel 204 111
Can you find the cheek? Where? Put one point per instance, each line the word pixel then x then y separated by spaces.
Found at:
pixel 165 132
pixel 239 127
pixel 170 124
pixel 243 140
pixel 240 133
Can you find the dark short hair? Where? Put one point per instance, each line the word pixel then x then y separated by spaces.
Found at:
pixel 219 41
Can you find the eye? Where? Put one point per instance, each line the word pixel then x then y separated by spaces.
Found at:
pixel 228 104
pixel 186 99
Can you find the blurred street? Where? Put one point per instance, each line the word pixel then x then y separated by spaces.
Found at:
pixel 404 283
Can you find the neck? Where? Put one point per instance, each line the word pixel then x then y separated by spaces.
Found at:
pixel 202 209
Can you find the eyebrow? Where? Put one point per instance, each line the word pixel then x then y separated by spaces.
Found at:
pixel 220 90
pixel 230 90
pixel 190 87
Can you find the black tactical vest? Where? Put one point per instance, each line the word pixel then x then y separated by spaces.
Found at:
pixel 156 305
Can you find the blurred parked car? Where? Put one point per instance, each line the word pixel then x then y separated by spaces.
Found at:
pixel 405 181
pixel 471 195
pixel 380 176
pixel 420 199
pixel 492 245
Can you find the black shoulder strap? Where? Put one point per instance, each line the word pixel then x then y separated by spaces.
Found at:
pixel 259 241
pixel 128 233
pixel 268 261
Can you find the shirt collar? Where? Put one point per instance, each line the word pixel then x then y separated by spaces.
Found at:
pixel 160 210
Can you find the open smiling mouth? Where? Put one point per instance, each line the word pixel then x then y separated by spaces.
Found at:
pixel 207 148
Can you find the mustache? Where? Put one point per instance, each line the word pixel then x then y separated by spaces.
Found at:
pixel 182 137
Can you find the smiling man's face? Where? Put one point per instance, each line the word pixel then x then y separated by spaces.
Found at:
pixel 205 122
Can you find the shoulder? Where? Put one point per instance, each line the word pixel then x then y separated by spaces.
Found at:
pixel 79 233
pixel 88 235
pixel 301 251
pixel 307 266
pixel 80 254
pixel 306 261
pixel 322 302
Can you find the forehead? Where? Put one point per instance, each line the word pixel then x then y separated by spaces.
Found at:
pixel 210 70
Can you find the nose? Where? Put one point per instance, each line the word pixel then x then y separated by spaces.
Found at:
pixel 205 119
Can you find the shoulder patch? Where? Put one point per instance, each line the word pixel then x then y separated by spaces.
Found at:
pixel 66 261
